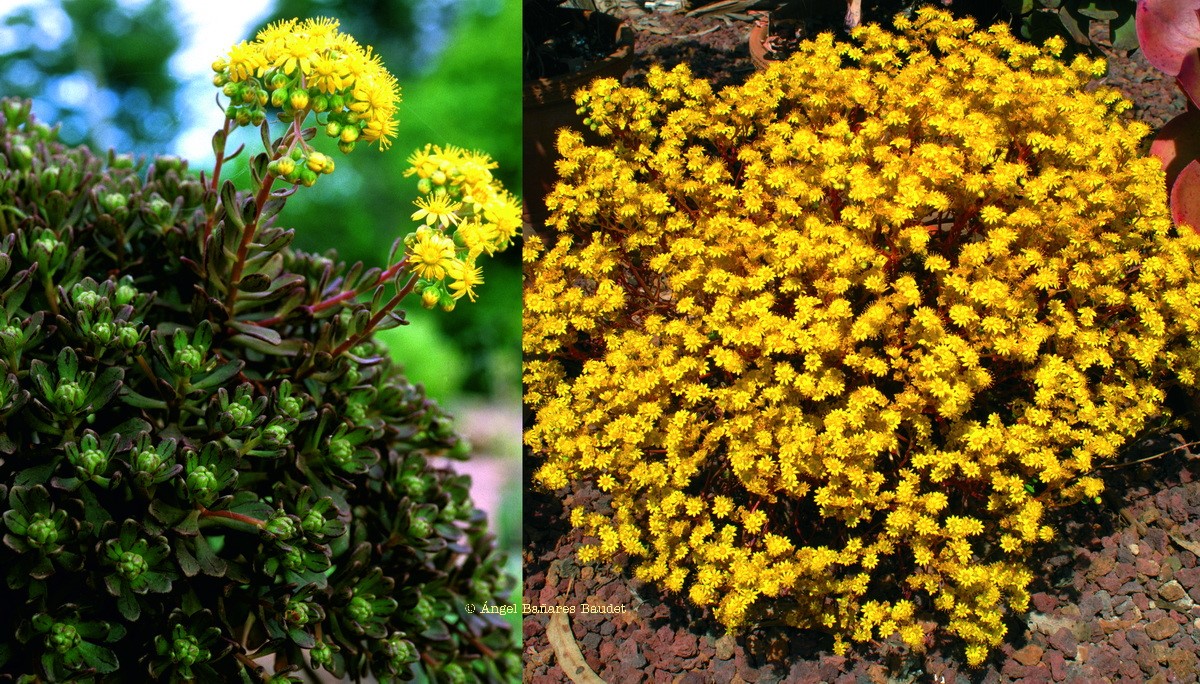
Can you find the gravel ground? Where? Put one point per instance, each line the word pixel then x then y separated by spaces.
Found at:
pixel 1117 599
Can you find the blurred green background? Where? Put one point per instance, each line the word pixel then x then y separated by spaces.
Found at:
pixel 134 75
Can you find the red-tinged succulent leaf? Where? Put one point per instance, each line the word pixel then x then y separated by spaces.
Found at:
pixel 1167 31
pixel 1189 76
pixel 1185 197
pixel 1177 143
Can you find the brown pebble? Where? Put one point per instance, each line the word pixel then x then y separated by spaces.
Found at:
pixel 1163 628
pixel 1171 591
pixel 1029 656
pixel 725 647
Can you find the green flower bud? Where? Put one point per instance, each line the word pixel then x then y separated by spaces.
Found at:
pixel 360 609
pixel 219 80
pixel 11 337
pixel 114 201
pixel 147 461
pixel 42 531
pixel 346 148
pixel 128 336
pixel 276 433
pixel 420 528
pixel 291 406
pixel 68 395
pixel 333 129
pixel 240 415
pixel 278 97
pixel 257 116
pixel 186 651
pixel 203 483
pixel 92 461
pixel 277 81
pixel 282 526
pixel 337 102
pixel 298 613
pixel 132 565
pixel 350 134
pixel 102 332
pixel 232 90
pixel 424 186
pixel 438 177
pixel 415 485
pixel 313 523
pixel 321 654
pixel 243 117
pixel 250 96
pixel 341 450
pixel 62 637
pixel 424 610
pixel 189 359
pixel 22 155
pixel 293 559
pixel 307 177
pixel 86 299
pixel 400 651
pixel 320 103
pixel 125 294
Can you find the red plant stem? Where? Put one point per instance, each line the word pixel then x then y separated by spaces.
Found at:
pixel 230 515
pixel 343 295
pixel 216 175
pixel 387 308
pixel 260 201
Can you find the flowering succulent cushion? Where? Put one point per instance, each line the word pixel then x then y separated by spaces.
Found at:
pixel 833 341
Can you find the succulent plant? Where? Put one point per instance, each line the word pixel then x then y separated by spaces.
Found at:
pixel 209 471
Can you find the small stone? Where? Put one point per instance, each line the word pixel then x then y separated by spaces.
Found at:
pixel 684 645
pixel 1163 628
pixel 1064 640
pixel 629 655
pixel 725 647
pixel 1029 655
pixel 1058 665
pixel 1044 603
pixel 1147 566
pixel 1172 591
pixel 1135 549
pixel 1101 566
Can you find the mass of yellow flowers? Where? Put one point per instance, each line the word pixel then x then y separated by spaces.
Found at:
pixel 464 213
pixel 311 66
pixel 835 340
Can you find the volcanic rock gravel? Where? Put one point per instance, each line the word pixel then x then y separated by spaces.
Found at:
pixel 1117 597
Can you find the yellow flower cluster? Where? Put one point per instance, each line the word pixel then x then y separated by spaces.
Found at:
pixel 465 213
pixel 863 317
pixel 311 66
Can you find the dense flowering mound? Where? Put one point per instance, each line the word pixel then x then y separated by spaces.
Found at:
pixel 834 340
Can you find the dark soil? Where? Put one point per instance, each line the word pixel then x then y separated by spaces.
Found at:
pixel 1117 598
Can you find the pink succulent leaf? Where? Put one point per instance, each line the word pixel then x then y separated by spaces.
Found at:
pixel 1167 31
pixel 1185 197
pixel 1189 76
pixel 1177 143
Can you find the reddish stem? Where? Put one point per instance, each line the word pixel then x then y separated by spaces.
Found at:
pixel 230 515
pixel 383 312
pixel 260 201
pixel 343 295
pixel 216 176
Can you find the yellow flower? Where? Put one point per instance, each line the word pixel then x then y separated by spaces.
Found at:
pixel 431 254
pixel 466 276
pixel 437 208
